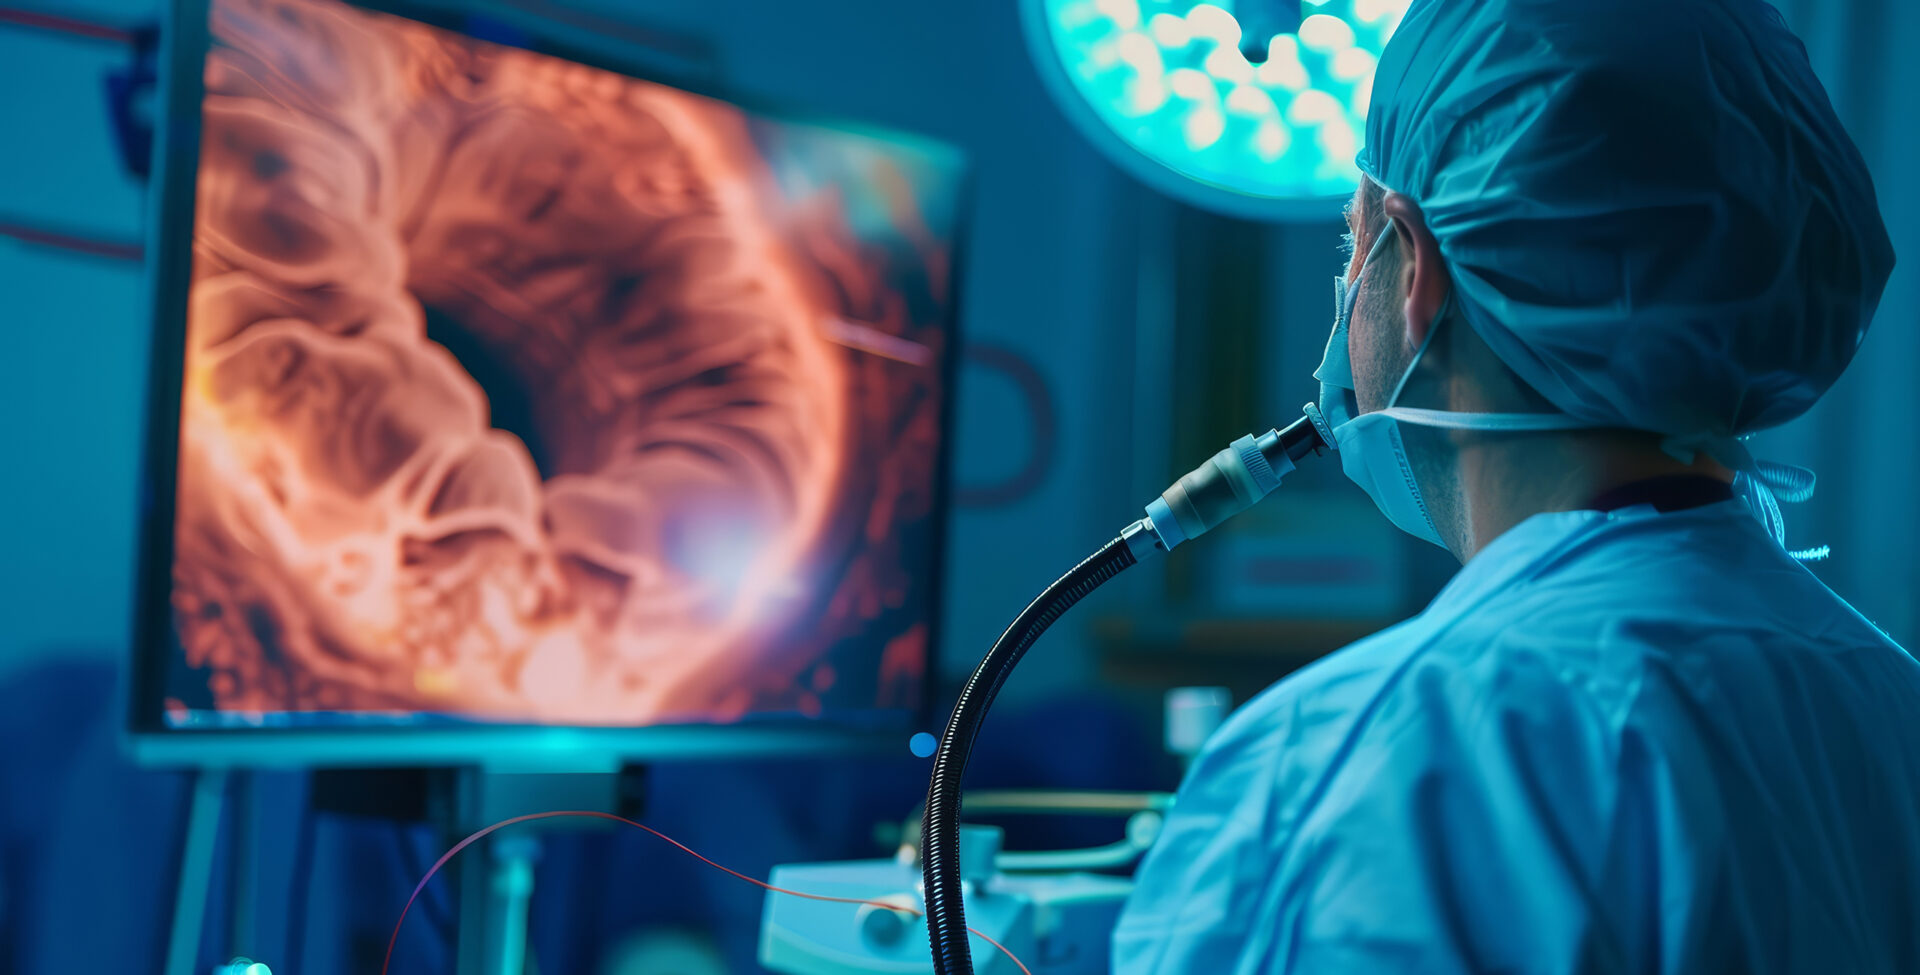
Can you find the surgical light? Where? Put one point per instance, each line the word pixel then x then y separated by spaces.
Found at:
pixel 1252 108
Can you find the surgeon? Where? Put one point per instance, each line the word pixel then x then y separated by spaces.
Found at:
pixel 1596 245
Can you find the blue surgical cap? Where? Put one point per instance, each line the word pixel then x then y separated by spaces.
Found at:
pixel 1648 208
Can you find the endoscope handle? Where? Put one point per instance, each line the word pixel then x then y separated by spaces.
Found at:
pixel 1230 482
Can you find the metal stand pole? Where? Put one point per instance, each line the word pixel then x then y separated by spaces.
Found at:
pixel 243 864
pixel 496 886
pixel 513 860
pixel 196 870
pixel 477 913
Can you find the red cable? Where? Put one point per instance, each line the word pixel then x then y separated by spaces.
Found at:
pixel 68 25
pixel 49 238
pixel 469 841
pixel 85 245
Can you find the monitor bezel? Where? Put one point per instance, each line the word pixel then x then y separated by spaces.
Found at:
pixel 151 741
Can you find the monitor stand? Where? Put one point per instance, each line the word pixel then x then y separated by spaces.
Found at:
pixel 196 869
pixel 496 877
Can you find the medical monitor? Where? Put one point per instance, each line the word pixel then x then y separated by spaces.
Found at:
pixel 505 403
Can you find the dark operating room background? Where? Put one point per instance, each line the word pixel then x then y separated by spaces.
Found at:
pixel 1097 315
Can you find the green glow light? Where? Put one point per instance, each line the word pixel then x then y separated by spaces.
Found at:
pixel 1164 88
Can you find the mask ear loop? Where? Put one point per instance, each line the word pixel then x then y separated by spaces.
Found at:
pixel 1351 300
pixel 1512 422
pixel 1387 234
pixel 1433 328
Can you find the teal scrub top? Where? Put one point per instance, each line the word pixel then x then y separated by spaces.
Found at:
pixel 1615 742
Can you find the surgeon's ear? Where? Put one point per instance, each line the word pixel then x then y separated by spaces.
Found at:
pixel 1423 276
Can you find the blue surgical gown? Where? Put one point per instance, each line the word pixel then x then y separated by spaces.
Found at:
pixel 1619 742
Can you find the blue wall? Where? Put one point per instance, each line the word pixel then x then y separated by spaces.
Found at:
pixel 1860 438
pixel 75 328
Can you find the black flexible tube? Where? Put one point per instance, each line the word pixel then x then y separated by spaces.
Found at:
pixel 1230 482
pixel 940 828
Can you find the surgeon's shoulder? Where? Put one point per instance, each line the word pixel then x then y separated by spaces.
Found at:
pixel 1426 683
pixel 1312 710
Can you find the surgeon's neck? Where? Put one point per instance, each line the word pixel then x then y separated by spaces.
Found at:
pixel 1500 480
pixel 1479 484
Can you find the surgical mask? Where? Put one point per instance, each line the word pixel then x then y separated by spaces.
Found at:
pixel 1372 449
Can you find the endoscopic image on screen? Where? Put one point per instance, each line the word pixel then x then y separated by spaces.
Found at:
pixel 521 391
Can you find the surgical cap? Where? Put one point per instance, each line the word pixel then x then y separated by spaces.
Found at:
pixel 1648 207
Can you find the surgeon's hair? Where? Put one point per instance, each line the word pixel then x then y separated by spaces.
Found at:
pixel 1368 219
pixel 1372 211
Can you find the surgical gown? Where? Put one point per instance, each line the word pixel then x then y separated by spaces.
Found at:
pixel 1615 742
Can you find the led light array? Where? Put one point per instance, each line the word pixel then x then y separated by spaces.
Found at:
pixel 1169 77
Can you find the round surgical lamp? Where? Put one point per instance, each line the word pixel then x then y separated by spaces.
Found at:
pixel 1251 108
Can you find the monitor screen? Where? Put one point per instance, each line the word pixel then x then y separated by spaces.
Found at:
pixel 509 391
